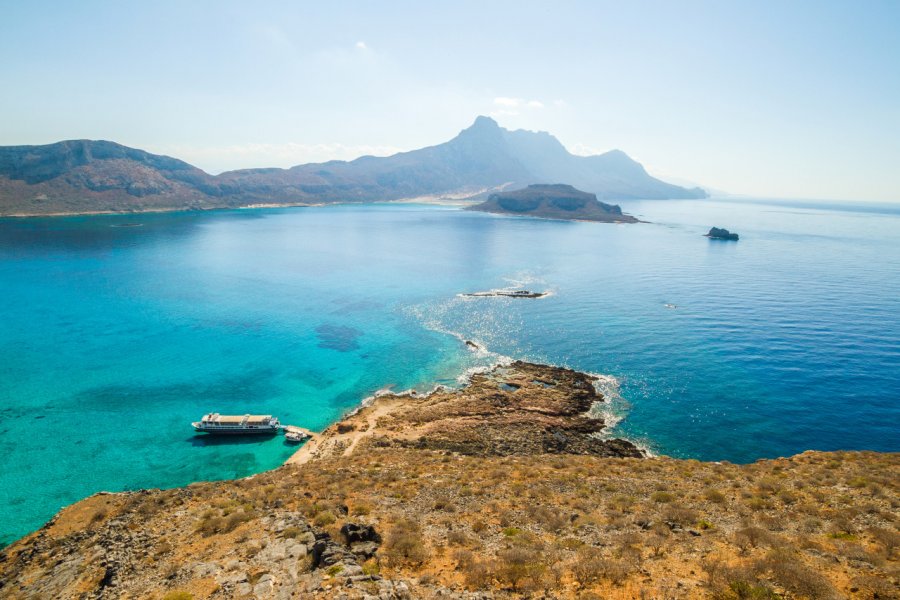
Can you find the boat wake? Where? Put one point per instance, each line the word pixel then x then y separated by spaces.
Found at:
pixel 519 286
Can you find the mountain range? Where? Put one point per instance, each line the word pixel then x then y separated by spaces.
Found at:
pixel 84 176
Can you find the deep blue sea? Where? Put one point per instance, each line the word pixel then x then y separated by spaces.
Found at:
pixel 117 331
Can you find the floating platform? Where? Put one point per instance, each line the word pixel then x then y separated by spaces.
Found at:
pixel 295 434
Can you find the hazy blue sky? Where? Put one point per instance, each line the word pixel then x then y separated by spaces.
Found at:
pixel 786 98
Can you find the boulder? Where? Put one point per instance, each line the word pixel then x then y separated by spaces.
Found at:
pixel 354 532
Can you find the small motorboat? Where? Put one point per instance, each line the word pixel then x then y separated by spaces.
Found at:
pixel 295 435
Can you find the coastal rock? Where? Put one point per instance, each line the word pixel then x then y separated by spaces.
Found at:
pixel 521 409
pixel 503 294
pixel 717 233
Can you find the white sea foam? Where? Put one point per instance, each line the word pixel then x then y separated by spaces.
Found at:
pixel 516 282
pixel 500 361
pixel 502 293
pixel 614 408
pixel 435 316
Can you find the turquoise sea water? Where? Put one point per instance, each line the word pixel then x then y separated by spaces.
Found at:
pixel 113 338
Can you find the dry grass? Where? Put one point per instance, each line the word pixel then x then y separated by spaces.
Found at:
pixel 826 525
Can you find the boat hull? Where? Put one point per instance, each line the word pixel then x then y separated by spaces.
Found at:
pixel 267 431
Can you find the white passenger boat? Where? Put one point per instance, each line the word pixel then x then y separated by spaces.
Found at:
pixel 237 424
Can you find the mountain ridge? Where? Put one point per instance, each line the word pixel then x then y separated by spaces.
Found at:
pixel 81 176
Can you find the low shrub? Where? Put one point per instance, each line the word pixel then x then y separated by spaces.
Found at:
pixel 789 572
pixel 661 497
pixel 404 544
pixel 324 518
pixel 518 565
pixel 714 496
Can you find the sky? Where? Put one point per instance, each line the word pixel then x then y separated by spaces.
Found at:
pixel 787 99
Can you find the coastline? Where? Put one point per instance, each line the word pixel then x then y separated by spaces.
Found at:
pixel 157 210
pixel 427 200
pixel 542 409
pixel 633 221
pixel 445 494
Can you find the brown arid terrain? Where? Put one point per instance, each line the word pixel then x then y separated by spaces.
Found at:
pixel 503 489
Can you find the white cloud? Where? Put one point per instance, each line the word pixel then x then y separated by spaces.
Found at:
pixel 512 107
pixel 510 102
pixel 580 149
pixel 361 45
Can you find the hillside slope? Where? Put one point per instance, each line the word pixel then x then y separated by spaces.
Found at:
pixel 500 490
pixel 80 176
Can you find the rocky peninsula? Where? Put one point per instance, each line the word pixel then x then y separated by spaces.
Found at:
pixel 556 201
pixel 506 488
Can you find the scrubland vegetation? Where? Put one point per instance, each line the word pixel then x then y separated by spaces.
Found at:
pixel 442 523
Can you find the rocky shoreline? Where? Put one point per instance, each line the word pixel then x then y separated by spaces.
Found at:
pixel 522 408
pixel 501 489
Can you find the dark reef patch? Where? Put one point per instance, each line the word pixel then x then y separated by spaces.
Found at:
pixel 338 337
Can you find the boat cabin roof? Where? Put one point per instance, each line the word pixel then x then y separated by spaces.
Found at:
pixel 237 419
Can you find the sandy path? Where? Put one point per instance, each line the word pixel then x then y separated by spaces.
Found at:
pixel 332 443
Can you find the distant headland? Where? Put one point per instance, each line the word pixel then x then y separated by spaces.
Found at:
pixel 556 201
pixel 86 176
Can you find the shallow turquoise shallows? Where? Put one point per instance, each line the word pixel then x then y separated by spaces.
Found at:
pixel 118 331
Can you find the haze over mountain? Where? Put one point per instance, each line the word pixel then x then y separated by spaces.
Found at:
pixel 98 176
